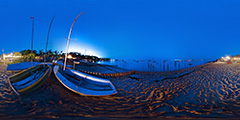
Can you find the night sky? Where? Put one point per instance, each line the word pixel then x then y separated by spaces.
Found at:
pixel 125 29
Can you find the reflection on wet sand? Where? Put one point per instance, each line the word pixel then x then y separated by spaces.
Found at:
pixel 211 90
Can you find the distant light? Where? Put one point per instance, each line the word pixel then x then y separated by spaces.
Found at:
pixel 69 56
pixel 90 49
pixel 112 60
pixel 228 57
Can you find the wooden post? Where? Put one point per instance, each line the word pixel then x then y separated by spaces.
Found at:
pixel 168 65
pixel 179 64
pixel 163 65
pixel 153 64
pixel 148 65
pixel 184 63
pixel 160 65
pixel 73 65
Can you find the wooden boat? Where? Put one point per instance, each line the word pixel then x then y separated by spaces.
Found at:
pixel 84 84
pixel 29 79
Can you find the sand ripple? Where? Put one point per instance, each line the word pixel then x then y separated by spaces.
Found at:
pixel 212 90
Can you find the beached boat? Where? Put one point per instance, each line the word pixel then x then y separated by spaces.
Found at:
pixel 29 79
pixel 79 82
pixel 84 84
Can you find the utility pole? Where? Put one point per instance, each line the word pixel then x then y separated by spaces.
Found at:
pixel 32 40
pixel 3 53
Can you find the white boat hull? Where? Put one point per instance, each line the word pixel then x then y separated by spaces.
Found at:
pixel 85 84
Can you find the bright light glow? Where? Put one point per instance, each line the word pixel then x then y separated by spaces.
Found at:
pixel 81 47
pixel 69 56
pixel 228 57
pixel 236 58
pixel 77 45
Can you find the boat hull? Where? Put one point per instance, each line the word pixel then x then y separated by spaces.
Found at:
pixel 23 82
pixel 87 90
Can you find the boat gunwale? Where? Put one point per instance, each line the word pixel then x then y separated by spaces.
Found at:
pixel 9 82
pixel 38 82
pixel 22 72
pixel 55 73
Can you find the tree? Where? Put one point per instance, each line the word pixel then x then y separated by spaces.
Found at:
pixel 50 53
pixel 22 52
pixel 40 52
pixel 74 54
pixel 35 52
pixel 17 54
pixel 55 52
pixel 29 56
pixel 26 52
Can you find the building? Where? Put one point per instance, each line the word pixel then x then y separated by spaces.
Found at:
pixel 11 56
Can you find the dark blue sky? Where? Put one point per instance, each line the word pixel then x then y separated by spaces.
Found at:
pixel 132 29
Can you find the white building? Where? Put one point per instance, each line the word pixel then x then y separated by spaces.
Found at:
pixel 10 56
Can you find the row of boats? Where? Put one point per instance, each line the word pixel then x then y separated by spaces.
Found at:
pixel 32 78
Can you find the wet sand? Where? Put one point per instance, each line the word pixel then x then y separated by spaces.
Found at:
pixel 206 91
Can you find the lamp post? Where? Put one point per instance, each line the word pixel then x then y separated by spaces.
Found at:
pixel 3 54
pixel 32 39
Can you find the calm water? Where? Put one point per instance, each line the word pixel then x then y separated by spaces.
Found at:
pixel 157 65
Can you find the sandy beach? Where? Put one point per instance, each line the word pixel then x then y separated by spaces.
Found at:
pixel 209 90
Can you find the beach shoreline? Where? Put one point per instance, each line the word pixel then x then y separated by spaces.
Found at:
pixel 211 90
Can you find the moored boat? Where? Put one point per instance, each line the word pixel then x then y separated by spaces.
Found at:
pixel 29 79
pixel 84 84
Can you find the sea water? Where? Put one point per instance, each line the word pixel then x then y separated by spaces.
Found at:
pixel 154 65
